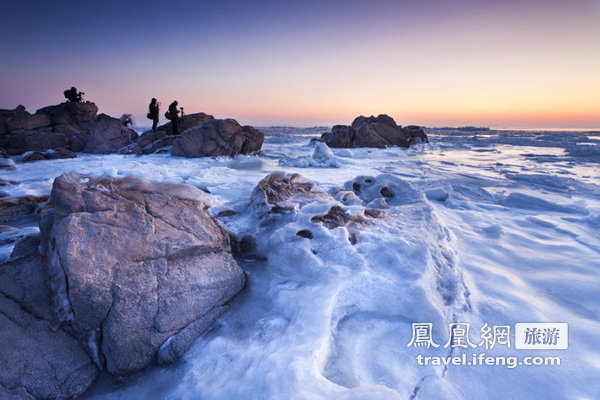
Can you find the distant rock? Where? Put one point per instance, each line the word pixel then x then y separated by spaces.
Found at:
pixel 186 122
pixel 72 126
pixel 378 132
pixel 108 136
pixel 218 137
pixel 139 269
pixel 48 155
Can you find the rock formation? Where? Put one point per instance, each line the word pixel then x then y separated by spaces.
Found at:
pixel 72 126
pixel 186 122
pixel 218 137
pixel 137 268
pixel 162 139
pixel 379 132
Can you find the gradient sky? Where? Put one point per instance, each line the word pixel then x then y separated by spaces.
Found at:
pixel 512 63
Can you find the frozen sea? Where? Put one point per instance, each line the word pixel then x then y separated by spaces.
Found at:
pixel 487 227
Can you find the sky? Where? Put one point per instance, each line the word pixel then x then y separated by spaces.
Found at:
pixel 507 64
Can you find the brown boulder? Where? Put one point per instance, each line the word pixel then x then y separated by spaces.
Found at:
pixel 108 136
pixel 379 132
pixel 139 268
pixel 218 137
pixel 15 207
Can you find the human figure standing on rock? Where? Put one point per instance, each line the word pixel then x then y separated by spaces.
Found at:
pixel 174 117
pixel 73 95
pixel 153 111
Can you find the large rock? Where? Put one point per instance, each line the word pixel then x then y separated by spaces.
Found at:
pixel 218 137
pixel 72 126
pixel 138 268
pixel 66 125
pixel 186 122
pixel 39 360
pixel 379 132
pixel 108 136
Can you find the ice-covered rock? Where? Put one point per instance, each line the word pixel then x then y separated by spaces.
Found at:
pixel 380 132
pixel 218 137
pixel 437 193
pixel 139 268
pixel 322 157
pixel 5 161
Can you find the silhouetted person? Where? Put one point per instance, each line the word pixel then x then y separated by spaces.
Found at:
pixel 153 111
pixel 174 114
pixel 73 95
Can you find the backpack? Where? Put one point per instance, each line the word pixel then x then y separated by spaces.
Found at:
pixel 168 115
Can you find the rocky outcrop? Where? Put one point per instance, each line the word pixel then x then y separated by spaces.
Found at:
pixel 108 136
pixel 186 122
pixel 379 132
pixel 72 126
pixel 138 269
pixel 162 139
pixel 218 137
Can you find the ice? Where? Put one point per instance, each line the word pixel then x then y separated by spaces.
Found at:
pixel 478 227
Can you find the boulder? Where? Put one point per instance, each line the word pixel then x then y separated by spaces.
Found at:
pixel 186 122
pixel 218 137
pixel 109 135
pixel 66 125
pixel 138 268
pixel 72 126
pixel 279 196
pixel 15 207
pixel 378 132
pixel 40 361
pixel 59 153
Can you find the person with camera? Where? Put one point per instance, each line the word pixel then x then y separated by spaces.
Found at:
pixel 173 115
pixel 153 110
pixel 73 95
